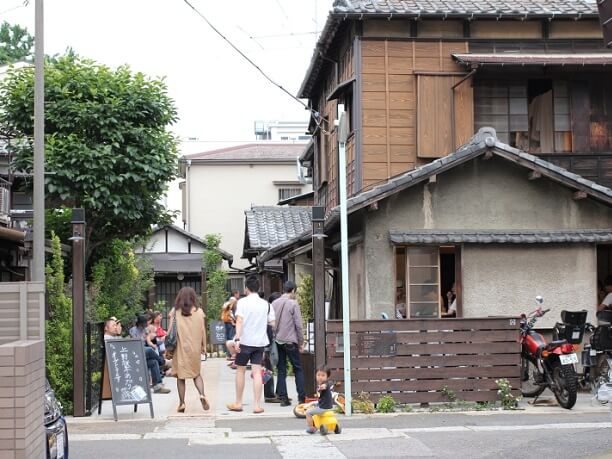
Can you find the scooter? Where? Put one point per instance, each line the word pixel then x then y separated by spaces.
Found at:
pixel 546 365
pixel 596 356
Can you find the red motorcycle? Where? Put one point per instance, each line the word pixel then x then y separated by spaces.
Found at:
pixel 547 365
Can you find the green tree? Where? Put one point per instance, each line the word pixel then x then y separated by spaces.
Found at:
pixel 119 283
pixel 216 293
pixel 108 148
pixel 15 44
pixel 59 329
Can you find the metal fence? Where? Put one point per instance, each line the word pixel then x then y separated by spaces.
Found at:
pixel 94 355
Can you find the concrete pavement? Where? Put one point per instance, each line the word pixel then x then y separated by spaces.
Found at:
pixel 219 386
pixel 544 429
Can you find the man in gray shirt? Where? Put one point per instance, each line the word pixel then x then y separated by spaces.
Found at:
pixel 289 337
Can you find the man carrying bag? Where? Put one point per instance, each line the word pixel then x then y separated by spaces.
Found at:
pixel 289 339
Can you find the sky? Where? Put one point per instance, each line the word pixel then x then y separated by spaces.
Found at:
pixel 217 93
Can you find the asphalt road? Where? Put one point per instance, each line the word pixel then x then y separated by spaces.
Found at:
pixel 439 435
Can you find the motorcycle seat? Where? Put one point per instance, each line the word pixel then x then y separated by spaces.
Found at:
pixel 555 344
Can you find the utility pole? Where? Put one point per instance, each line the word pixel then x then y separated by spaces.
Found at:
pixel 38 255
pixel 318 284
pixel 342 133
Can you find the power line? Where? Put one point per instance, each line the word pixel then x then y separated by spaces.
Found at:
pixel 315 115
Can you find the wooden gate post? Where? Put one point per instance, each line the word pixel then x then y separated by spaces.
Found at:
pixel 78 310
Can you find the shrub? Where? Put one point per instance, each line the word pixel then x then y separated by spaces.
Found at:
pixel 449 394
pixel 305 297
pixel 362 404
pixel 216 291
pixel 386 404
pixel 504 391
pixel 59 329
pixel 119 284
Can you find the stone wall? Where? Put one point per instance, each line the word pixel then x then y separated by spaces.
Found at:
pixel 22 389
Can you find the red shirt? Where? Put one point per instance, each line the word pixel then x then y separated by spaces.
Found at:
pixel 161 332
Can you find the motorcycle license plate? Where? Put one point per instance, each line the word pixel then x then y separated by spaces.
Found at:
pixel 568 359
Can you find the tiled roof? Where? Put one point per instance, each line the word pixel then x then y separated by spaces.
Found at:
pixel 499 237
pixel 476 7
pixel 264 151
pixel 484 141
pixel 268 226
pixel 468 9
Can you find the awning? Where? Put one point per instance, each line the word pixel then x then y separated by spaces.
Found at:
pixel 520 59
pixel 500 236
pixel 338 90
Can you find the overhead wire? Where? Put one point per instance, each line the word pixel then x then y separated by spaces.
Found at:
pixel 316 116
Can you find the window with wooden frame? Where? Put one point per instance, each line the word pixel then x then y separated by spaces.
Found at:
pixel 427 282
pixel 533 115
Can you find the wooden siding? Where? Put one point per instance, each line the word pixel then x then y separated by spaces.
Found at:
pixel 415 359
pixel 326 175
pixel 506 29
pixel 575 29
pixel 389 74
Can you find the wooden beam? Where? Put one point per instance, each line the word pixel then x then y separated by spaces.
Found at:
pixel 580 195
pixel 534 175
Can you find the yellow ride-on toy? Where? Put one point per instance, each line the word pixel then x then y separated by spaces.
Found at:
pixel 326 422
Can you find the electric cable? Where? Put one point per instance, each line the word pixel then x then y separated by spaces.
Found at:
pixel 316 116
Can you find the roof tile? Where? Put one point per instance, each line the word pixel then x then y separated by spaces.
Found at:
pixel 268 226
pixel 253 152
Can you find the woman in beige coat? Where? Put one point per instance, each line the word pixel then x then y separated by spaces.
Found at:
pixel 190 344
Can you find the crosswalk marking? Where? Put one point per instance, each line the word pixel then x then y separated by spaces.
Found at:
pixel 297 444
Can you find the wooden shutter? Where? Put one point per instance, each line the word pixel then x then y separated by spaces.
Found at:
pixel 436 136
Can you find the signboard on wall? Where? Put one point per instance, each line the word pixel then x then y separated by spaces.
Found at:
pixel 377 344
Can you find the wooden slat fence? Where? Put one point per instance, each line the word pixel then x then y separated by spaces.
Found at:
pixel 413 360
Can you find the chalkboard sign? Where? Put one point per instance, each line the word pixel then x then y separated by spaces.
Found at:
pixel 217 332
pixel 128 373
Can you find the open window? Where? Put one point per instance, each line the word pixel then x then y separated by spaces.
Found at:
pixel 426 282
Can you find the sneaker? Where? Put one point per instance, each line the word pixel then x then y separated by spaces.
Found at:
pixel 285 402
pixel 272 399
pixel 160 389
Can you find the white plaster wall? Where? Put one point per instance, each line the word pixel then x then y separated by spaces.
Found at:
pixel 505 279
pixel 156 244
pixel 177 243
pixel 220 193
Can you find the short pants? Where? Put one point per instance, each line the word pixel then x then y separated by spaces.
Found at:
pixel 317 410
pixel 252 353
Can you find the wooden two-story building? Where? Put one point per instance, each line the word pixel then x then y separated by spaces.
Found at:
pixel 527 210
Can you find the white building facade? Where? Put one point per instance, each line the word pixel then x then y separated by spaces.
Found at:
pixel 220 185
